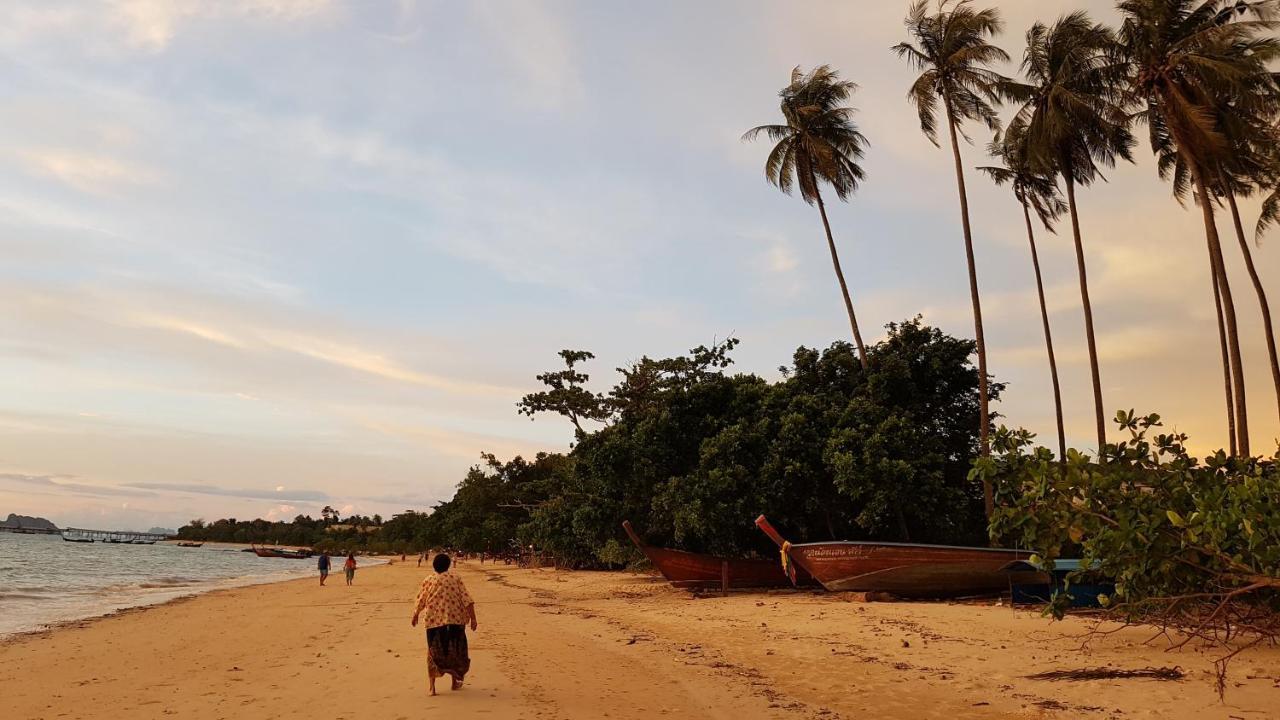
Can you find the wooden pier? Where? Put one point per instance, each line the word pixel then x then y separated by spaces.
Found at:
pixel 121 537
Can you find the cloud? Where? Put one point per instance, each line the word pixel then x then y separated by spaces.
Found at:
pixel 248 493
pixel 151 25
pixel 91 173
pixel 61 484
pixel 536 43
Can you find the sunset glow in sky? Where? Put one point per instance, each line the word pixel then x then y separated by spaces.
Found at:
pixel 260 256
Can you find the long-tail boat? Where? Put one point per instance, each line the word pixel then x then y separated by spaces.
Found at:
pixel 190 544
pixel 908 570
pixel 695 570
pixel 281 553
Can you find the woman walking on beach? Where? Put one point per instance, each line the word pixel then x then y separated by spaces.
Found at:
pixel 349 567
pixel 445 607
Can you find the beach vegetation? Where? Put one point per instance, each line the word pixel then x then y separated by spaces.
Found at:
pixel 1073 123
pixel 818 144
pixel 1193 545
pixel 950 46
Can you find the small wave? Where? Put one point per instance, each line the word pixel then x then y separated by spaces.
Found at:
pixel 21 596
pixel 167 582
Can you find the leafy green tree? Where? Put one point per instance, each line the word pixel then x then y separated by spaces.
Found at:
pixel 819 143
pixel 567 395
pixel 902 450
pixel 1033 190
pixel 950 48
pixel 1182 57
pixel 1074 122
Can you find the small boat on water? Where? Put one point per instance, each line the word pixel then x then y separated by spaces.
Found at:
pixel 77 539
pixel 281 553
pixel 908 570
pixel 695 570
pixel 190 544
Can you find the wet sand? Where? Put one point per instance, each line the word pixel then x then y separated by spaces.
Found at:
pixel 591 645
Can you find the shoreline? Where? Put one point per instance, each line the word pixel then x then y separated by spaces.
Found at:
pixel 45 614
pixel 562 644
pixel 184 596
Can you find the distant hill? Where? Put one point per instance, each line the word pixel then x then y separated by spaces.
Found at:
pixel 24 521
pixel 163 531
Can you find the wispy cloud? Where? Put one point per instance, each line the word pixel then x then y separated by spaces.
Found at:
pixel 98 174
pixel 292 495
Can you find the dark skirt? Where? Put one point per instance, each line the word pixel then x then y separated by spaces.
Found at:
pixel 447 651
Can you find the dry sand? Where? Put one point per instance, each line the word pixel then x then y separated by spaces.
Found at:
pixel 592 645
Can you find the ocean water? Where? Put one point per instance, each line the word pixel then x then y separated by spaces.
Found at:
pixel 45 580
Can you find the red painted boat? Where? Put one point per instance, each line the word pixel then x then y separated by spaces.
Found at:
pixel 907 570
pixel 695 570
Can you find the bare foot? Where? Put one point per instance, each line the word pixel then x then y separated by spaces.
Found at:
pixel 457 684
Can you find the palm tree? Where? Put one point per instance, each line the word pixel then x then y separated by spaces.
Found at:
pixel 1251 167
pixel 1039 192
pixel 1183 58
pixel 1073 124
pixel 950 49
pixel 819 143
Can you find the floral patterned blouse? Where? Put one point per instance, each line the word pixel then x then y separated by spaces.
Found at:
pixel 443 600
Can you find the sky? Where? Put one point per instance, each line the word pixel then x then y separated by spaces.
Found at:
pixel 262 256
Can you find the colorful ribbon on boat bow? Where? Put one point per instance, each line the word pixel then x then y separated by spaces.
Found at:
pixel 786 562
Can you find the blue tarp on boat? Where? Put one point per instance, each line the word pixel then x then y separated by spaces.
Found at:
pixel 1082 594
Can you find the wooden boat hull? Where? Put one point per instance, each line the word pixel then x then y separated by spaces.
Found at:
pixel 286 554
pixel 696 570
pixel 190 544
pixel 905 569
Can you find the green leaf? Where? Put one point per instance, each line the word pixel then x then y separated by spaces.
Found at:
pixel 1175 518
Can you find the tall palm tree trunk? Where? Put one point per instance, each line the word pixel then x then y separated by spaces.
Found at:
pixel 984 430
pixel 1098 413
pixel 1048 337
pixel 844 288
pixel 1267 328
pixel 1226 358
pixel 1228 305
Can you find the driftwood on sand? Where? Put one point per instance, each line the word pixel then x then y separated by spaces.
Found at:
pixel 1109 673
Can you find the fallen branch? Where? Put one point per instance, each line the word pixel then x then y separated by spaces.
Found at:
pixel 1107 673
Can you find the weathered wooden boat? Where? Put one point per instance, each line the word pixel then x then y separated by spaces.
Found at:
pixel 281 553
pixel 190 544
pixel 695 570
pixel 908 570
pixel 77 539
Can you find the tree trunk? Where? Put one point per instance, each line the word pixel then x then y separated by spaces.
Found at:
pixel 1226 359
pixel 1099 414
pixel 1267 328
pixel 844 288
pixel 1228 306
pixel 984 430
pixel 1048 338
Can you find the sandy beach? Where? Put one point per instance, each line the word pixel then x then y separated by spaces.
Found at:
pixel 589 645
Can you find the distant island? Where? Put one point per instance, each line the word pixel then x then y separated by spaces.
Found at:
pixel 162 531
pixel 27 523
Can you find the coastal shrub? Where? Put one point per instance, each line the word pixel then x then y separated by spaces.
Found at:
pixel 1192 545
pixel 691 452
